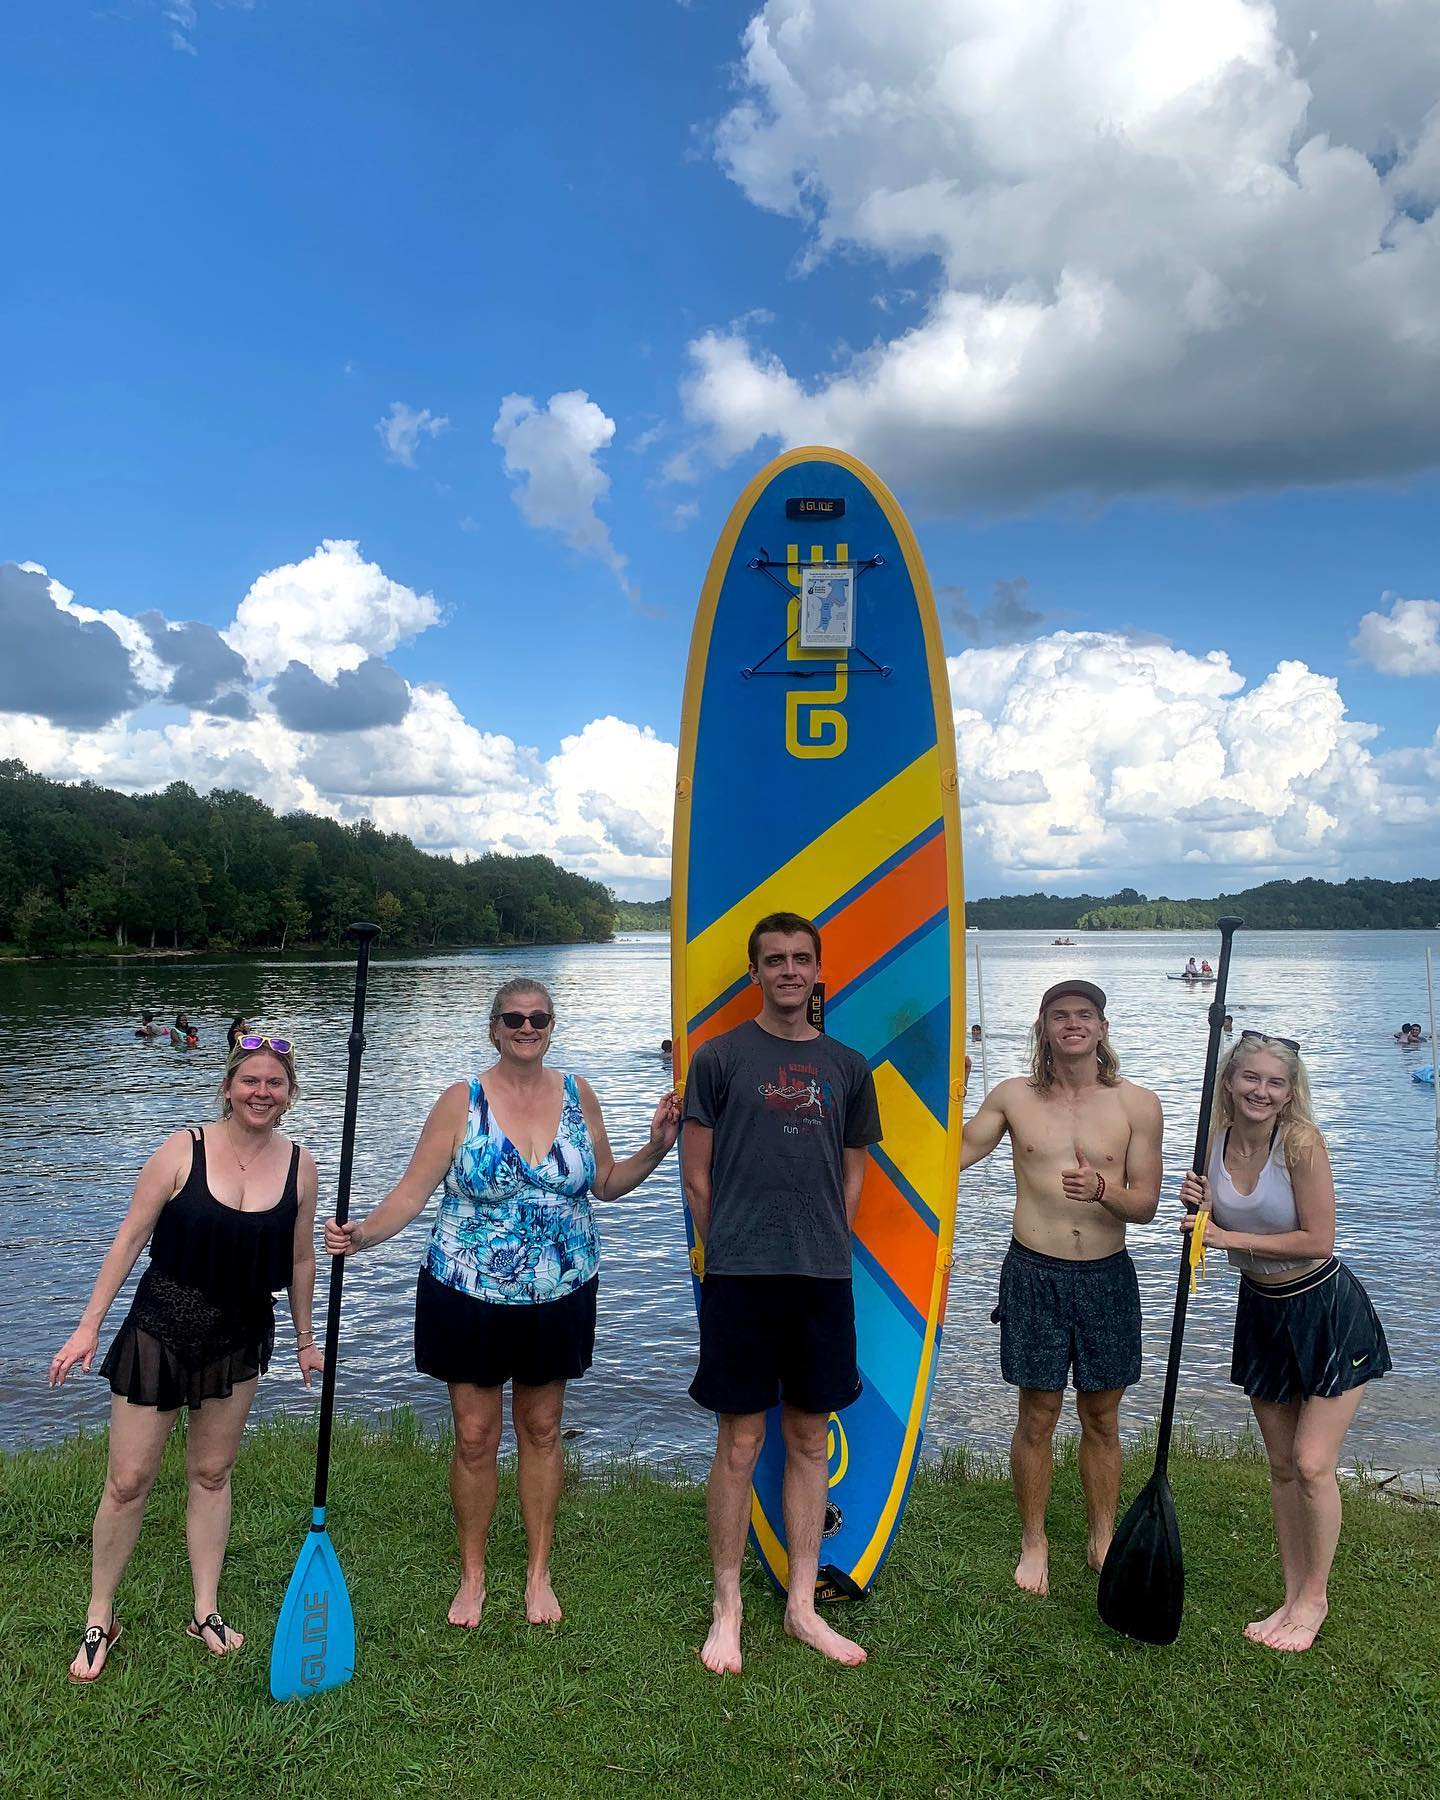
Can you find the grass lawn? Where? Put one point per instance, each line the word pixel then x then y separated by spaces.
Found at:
pixel 971 1687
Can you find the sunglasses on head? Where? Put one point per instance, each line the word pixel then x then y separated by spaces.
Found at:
pixel 1268 1037
pixel 281 1046
pixel 512 1021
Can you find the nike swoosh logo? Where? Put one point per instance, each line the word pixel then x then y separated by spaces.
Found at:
pixel 1355 1361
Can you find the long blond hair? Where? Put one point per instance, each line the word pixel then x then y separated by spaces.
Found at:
pixel 1298 1131
pixel 1042 1059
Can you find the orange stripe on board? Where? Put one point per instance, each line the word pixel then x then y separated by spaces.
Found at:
pixel 884 915
pixel 744 1005
pixel 881 917
pixel 897 1237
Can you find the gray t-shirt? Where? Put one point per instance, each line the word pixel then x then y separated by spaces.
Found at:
pixel 782 1111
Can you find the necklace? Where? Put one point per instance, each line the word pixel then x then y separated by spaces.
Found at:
pixel 244 1166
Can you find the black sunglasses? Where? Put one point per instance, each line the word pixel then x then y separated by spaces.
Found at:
pixel 512 1021
pixel 1268 1037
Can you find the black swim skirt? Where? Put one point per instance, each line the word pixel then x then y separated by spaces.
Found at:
pixel 1055 1313
pixel 459 1337
pixel 1316 1336
pixel 177 1348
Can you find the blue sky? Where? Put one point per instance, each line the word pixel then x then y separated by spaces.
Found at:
pixel 241 235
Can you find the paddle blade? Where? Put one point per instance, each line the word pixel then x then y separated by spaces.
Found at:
pixel 1142 1585
pixel 314 1646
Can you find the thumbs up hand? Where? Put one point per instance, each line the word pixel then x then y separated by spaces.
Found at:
pixel 1081 1182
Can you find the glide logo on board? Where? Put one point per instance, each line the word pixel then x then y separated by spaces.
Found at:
pixel 815 727
pixel 314 1634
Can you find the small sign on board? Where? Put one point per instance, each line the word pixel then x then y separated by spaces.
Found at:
pixel 827 607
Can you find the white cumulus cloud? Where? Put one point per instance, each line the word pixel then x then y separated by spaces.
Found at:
pixel 1403 641
pixel 402 428
pixel 330 611
pixel 600 805
pixel 553 454
pixel 1168 246
pixel 1086 756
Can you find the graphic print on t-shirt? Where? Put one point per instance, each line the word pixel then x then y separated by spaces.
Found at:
pixel 801 1092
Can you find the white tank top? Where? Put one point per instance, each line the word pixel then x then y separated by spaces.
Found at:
pixel 1269 1210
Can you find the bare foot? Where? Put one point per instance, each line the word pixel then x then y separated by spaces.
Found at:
pixel 468 1604
pixel 94 1652
pixel 1300 1628
pixel 720 1652
pixel 1032 1572
pixel 1098 1549
pixel 541 1606
pixel 224 1642
pixel 1260 1631
pixel 809 1628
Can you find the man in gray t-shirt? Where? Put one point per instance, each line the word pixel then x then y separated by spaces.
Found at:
pixel 777 1120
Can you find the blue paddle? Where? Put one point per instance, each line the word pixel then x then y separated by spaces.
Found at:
pixel 314 1646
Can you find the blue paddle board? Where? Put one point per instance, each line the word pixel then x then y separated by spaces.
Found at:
pixel 817 775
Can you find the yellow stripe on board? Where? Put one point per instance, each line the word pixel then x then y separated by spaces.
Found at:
pixel 914 1138
pixel 816 876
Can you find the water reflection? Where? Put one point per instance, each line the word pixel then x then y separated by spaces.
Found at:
pixel 83 1102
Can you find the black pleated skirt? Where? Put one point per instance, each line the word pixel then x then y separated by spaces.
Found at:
pixel 177 1348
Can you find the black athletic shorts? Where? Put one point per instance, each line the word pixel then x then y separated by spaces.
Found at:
pixel 765 1338
pixel 1316 1336
pixel 461 1338
pixel 1055 1314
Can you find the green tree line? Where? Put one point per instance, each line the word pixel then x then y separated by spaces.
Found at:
pixel 1039 912
pixel 642 915
pixel 224 872
pixel 1308 905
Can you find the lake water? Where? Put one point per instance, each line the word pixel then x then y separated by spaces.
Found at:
pixel 83 1102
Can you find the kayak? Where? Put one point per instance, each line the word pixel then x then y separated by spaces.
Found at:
pixel 1192 979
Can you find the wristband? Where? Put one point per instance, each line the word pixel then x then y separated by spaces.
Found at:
pixel 1100 1191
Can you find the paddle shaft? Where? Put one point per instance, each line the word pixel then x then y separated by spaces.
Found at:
pixel 364 935
pixel 1228 928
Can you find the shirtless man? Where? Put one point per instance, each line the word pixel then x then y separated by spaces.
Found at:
pixel 1086 1147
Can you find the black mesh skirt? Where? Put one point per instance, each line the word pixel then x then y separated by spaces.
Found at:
pixel 177 1348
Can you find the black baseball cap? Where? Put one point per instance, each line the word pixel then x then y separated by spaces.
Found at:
pixel 1086 989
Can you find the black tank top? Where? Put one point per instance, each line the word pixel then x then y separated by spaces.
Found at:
pixel 237 1259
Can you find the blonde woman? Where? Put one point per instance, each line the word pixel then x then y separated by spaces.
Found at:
pixel 1306 1336
pixel 228 1210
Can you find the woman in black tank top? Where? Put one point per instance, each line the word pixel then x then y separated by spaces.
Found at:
pixel 229 1213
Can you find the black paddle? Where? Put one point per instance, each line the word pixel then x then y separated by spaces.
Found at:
pixel 314 1645
pixel 1142 1585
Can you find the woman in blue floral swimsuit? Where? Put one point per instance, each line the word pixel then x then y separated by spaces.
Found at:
pixel 507 1289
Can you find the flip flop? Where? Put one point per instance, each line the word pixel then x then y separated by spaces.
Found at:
pixel 96 1638
pixel 212 1622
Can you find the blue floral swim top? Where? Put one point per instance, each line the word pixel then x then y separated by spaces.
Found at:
pixel 512 1231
